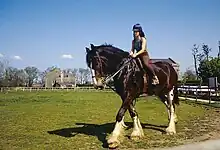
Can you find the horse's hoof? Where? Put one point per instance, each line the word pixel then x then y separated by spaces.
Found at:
pixel 113 143
pixel 136 136
pixel 170 132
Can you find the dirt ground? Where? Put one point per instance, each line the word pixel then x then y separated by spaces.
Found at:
pixel 210 126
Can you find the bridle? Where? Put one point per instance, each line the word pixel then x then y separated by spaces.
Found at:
pixel 109 77
pixel 101 67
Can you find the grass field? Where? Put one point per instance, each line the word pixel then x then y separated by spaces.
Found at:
pixel 82 120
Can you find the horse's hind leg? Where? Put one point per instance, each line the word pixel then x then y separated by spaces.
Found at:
pixel 171 129
pixel 164 99
pixel 137 128
pixel 175 116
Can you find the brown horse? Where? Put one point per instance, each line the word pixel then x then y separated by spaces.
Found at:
pixel 107 61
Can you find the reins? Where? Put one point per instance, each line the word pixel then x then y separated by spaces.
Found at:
pixel 108 78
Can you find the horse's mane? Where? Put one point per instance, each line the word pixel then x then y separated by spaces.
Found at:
pixel 109 48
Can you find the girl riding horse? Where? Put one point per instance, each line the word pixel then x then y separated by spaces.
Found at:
pixel 139 44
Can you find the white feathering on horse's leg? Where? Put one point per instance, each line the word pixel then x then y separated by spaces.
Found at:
pixel 140 127
pixel 168 110
pixel 137 129
pixel 113 140
pixel 175 117
pixel 171 129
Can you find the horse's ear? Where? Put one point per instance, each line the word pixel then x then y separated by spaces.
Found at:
pixel 87 49
pixel 92 46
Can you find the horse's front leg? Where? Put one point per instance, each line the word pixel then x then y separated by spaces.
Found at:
pixel 137 132
pixel 113 140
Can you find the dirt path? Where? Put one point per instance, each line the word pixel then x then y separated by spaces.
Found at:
pixel 210 140
pixel 206 145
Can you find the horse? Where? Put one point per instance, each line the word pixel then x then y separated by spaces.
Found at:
pixel 109 62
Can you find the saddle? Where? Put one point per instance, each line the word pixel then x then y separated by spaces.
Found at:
pixel 147 87
pixel 145 90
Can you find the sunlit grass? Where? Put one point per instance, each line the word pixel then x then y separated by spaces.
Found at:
pixel 73 120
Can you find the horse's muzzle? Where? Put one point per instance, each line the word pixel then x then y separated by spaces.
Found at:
pixel 99 84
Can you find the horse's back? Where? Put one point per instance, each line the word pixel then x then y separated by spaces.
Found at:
pixel 165 66
pixel 166 69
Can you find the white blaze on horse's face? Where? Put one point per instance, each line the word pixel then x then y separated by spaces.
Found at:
pixel 93 75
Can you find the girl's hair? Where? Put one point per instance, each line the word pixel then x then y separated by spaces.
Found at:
pixel 139 28
pixel 142 33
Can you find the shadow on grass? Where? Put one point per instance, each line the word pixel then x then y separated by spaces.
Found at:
pixel 100 131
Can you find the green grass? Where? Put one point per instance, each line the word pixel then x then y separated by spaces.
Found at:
pixel 82 120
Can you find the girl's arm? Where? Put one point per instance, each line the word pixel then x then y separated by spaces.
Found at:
pixel 132 48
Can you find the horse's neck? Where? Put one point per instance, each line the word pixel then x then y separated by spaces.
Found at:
pixel 116 59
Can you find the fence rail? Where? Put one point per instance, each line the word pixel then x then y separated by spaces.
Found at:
pixel 197 92
pixel 200 92
pixel 5 89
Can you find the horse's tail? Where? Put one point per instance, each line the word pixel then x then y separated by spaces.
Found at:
pixel 176 97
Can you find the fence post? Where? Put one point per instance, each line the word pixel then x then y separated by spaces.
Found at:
pixel 209 95
pixel 196 93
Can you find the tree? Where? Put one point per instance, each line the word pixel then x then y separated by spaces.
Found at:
pixel 10 76
pixel 84 75
pixel 189 75
pixel 209 68
pixel 4 64
pixel 14 77
pixel 32 73
pixel 22 77
pixel 195 53
pixel 75 72
pixel 205 52
pixel 41 77
pixel 81 73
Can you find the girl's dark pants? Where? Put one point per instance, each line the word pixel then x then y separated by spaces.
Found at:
pixel 144 57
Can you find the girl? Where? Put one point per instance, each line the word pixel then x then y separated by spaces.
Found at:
pixel 139 44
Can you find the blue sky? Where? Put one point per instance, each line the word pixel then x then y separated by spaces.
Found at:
pixel 38 32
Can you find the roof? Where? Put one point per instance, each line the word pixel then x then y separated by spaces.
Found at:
pixel 169 60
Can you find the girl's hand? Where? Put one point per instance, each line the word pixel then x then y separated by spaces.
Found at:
pixel 134 55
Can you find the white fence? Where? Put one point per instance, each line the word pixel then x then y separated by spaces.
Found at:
pixel 5 89
pixel 197 89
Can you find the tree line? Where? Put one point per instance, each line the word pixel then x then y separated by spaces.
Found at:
pixel 205 66
pixel 14 77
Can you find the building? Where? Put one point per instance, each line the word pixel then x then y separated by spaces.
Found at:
pixel 171 61
pixel 59 78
